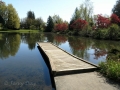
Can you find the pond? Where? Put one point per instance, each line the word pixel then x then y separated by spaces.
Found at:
pixel 22 66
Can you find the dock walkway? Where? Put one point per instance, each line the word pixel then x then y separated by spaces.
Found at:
pixel 64 63
pixel 73 73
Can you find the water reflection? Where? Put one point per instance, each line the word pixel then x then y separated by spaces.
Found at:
pixel 21 62
pixel 9 45
pixel 23 67
pixel 91 50
pixel 31 39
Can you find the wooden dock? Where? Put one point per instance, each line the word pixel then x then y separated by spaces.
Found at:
pixel 63 62
pixel 72 73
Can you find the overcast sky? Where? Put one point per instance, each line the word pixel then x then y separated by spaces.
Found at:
pixel 63 8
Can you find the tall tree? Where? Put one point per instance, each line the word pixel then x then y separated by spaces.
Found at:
pixel 3 13
pixel 84 12
pixel 13 19
pixel 30 15
pixel 57 19
pixel 50 24
pixel 116 8
pixel 30 20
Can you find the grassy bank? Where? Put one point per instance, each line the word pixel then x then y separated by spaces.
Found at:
pixel 21 31
pixel 111 69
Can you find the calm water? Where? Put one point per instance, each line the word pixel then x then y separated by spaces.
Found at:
pixel 22 66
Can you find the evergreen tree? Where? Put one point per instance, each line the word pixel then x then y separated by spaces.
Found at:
pixel 30 20
pixel 30 15
pixel 116 8
pixel 50 24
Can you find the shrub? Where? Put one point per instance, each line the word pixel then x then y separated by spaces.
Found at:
pixel 61 27
pixel 111 69
pixel 32 27
pixel 113 31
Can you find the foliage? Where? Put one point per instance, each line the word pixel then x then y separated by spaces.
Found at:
pixel 9 16
pixel 111 69
pixel 84 11
pixel 3 13
pixel 50 24
pixel 32 27
pixel 115 19
pixel 79 24
pixel 114 31
pixel 30 20
pixel 102 22
pixel 61 27
pixel 30 15
pixel 57 19
pixel 13 19
pixel 116 8
pixel 39 23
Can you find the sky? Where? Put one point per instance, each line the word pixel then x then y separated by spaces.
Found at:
pixel 63 8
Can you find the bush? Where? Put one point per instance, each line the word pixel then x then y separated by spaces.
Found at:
pixel 32 27
pixel 111 69
pixel 113 31
pixel 100 34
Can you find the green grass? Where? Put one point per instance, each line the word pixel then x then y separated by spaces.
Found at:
pixel 21 31
pixel 111 69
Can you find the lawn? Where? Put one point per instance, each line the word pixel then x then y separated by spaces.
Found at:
pixel 21 31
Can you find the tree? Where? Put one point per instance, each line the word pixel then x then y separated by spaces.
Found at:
pixel 30 20
pixel 61 27
pixel 115 19
pixel 23 24
pixel 50 24
pixel 79 24
pixel 57 19
pixel 102 22
pixel 30 15
pixel 116 8
pixel 39 23
pixel 13 21
pixel 3 13
pixel 84 12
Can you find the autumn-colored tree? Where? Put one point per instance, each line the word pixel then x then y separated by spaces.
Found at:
pixel 79 24
pixel 115 19
pixel 61 27
pixel 102 22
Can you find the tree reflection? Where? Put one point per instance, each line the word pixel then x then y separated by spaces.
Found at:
pixel 31 39
pixel 9 45
pixel 79 46
pixel 50 37
pixel 102 47
pixel 60 39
